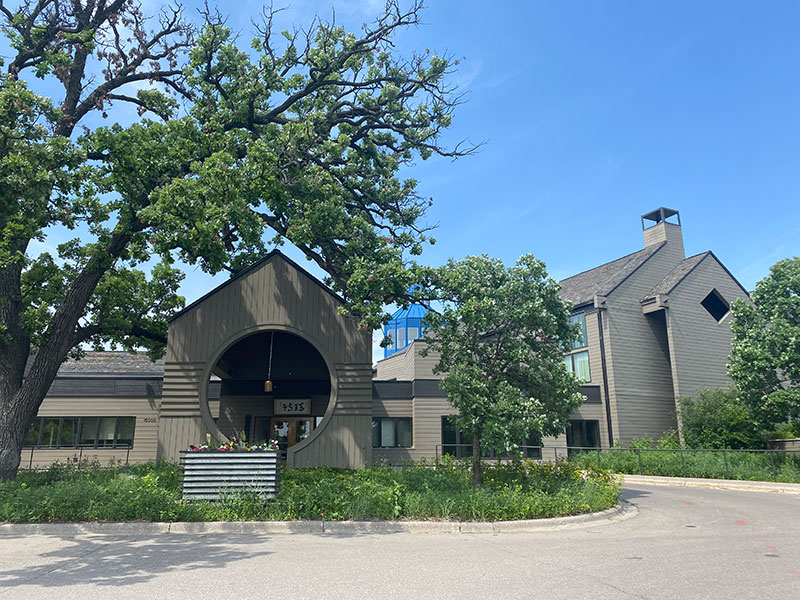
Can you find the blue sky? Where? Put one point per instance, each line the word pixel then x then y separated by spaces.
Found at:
pixel 594 113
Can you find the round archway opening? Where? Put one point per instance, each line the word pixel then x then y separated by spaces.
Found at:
pixel 270 385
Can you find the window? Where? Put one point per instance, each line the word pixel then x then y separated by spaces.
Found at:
pixel 579 319
pixel 87 432
pixel 413 333
pixel 716 305
pixel 454 443
pixel 578 365
pixel 391 432
pixel 532 447
pixel 583 434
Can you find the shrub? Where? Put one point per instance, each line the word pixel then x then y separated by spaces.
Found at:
pixel 718 418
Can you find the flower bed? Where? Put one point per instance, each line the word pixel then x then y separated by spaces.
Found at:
pixel 440 490
pixel 214 472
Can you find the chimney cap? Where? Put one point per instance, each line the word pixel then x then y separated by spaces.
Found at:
pixel 660 215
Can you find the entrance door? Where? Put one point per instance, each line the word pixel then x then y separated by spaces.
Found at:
pixel 289 431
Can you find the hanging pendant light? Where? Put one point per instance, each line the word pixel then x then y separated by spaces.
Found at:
pixel 268 382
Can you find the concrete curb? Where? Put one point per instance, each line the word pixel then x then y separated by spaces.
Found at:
pixel 622 511
pixel 718 484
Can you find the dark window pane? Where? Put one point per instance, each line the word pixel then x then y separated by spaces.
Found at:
pixel 376 433
pixel 32 435
pixel 88 431
pixel 716 305
pixel 50 432
pixel 533 449
pixel 404 433
pixel 69 431
pixel 449 438
pixel 125 432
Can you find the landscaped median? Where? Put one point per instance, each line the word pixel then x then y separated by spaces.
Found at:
pixel 423 491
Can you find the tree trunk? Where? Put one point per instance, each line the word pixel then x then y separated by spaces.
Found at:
pixel 14 421
pixel 477 475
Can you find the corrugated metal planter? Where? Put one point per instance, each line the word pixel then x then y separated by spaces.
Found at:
pixel 210 474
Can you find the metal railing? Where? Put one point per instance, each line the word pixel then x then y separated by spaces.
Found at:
pixel 741 464
pixel 77 456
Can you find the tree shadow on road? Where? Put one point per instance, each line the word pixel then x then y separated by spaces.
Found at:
pixel 103 560
pixel 629 494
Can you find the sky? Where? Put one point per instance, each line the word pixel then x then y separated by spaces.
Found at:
pixel 594 113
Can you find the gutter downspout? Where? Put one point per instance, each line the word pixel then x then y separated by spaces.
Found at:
pixel 605 377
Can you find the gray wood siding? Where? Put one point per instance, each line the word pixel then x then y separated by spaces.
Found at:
pixel 408 365
pixel 343 439
pixel 273 295
pixel 640 378
pixel 400 407
pixel 145 434
pixel 426 426
pixel 699 345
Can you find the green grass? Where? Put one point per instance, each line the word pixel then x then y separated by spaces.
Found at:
pixel 742 465
pixel 440 490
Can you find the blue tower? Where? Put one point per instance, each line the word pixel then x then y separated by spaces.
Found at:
pixel 404 328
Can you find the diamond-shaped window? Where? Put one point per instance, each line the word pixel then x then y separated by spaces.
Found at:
pixel 716 305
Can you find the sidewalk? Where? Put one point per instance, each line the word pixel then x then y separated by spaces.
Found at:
pixel 719 484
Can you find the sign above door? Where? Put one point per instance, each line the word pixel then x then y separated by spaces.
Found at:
pixel 292 406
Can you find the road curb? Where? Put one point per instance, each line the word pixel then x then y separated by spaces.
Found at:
pixel 621 511
pixel 718 484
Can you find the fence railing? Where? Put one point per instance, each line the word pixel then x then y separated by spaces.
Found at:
pixel 50 455
pixel 744 464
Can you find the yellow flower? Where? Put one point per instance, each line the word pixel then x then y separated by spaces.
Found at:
pixel 24 484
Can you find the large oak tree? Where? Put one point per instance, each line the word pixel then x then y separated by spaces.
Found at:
pixel 297 139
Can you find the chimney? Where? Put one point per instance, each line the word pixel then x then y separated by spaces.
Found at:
pixel 663 225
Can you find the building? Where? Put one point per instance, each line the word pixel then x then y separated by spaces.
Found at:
pixel 268 354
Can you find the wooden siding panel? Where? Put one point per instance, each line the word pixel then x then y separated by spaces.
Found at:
pixel 700 345
pixel 640 377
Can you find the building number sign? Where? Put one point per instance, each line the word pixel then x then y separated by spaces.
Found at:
pixel 292 407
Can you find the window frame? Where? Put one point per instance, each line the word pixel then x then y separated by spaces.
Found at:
pixel 584 425
pixel 570 358
pixel 464 449
pixel 714 300
pixel 579 318
pixel 59 445
pixel 395 423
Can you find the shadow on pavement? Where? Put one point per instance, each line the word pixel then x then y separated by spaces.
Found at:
pixel 629 494
pixel 104 560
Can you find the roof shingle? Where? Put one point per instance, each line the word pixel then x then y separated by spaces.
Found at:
pixel 601 281
pixel 674 277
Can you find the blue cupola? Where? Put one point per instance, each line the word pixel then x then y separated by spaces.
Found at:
pixel 404 328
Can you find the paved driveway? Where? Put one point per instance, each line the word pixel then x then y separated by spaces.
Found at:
pixel 684 543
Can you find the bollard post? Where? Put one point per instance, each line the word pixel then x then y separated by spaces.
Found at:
pixel 725 459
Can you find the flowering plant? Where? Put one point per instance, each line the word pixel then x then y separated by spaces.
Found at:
pixel 236 445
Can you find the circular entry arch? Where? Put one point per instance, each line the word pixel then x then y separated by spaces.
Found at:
pixel 242 335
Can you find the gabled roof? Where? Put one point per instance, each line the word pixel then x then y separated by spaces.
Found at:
pixel 682 271
pixel 601 281
pixel 248 270
pixel 674 277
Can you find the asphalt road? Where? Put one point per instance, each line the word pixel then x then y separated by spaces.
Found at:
pixel 684 543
